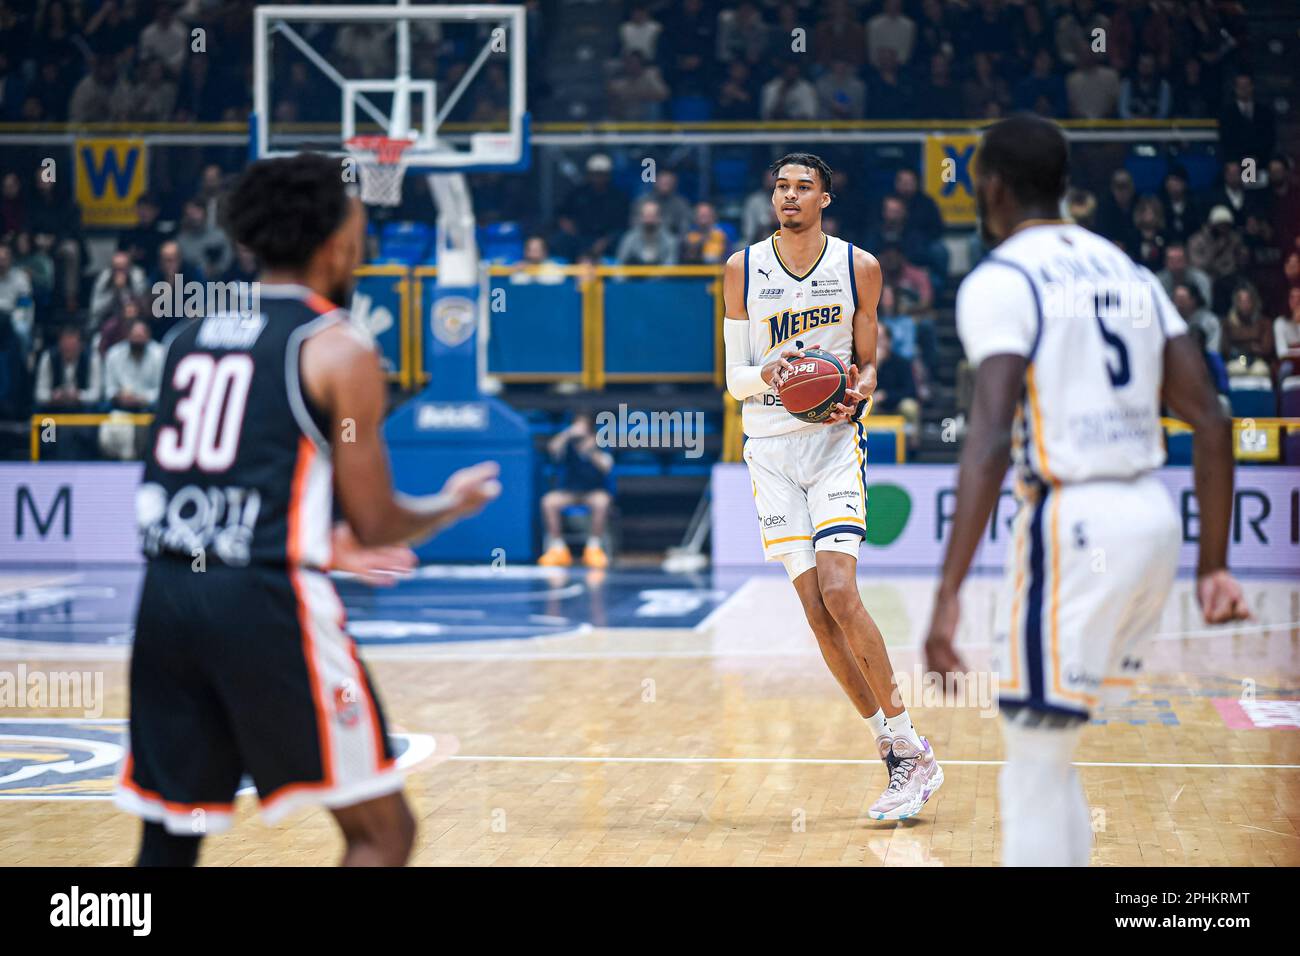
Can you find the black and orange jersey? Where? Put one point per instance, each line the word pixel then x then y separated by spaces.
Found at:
pixel 239 468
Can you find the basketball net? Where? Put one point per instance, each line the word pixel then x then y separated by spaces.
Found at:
pixel 381 167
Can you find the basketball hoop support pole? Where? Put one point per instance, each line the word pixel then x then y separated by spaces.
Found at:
pixel 452 348
pixel 400 125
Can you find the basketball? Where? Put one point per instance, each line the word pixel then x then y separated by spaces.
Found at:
pixel 814 386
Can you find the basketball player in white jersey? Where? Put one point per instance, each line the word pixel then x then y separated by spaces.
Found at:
pixel 1076 347
pixel 803 289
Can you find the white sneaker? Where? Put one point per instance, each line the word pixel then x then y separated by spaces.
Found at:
pixel 885 747
pixel 914 777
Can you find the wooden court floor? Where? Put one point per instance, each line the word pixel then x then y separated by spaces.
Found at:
pixel 729 744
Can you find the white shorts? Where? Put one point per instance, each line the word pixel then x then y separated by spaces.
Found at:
pixel 810 489
pixel 1089 570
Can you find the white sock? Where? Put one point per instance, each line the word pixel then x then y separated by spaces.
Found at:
pixel 900 725
pixel 880 733
pixel 1045 816
pixel 556 543
pixel 593 542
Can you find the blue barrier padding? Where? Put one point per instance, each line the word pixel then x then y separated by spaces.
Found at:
pixel 537 329
pixel 377 306
pixel 881 447
pixel 659 325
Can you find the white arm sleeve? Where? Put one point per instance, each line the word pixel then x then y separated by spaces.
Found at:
pixel 743 378
pixel 997 313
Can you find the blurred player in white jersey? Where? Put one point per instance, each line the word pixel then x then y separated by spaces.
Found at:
pixel 1076 347
pixel 797 289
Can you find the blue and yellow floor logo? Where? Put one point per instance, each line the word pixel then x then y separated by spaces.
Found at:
pixel 70 759
pixel 439 604
pixel 51 759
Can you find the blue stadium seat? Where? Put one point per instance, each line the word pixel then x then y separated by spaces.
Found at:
pixel 637 462
pixel 1290 399
pixel 409 243
pixel 627 177
pixel 1251 397
pixel 881 447
pixel 501 242
pixel 690 109
pixel 1148 172
pixel 540 422
pixel 731 176
pixel 1178 448
pixel 1291 447
pixel 688 183
pixel 1203 170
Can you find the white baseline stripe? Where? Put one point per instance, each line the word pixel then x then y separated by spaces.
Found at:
pixel 415 652
pixel 730 599
pixel 117 648
pixel 820 761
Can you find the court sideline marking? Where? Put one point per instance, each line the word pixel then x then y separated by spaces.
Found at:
pixel 830 761
pixel 735 595
pixel 118 648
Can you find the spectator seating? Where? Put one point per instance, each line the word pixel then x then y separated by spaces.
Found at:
pixel 576 524
pixel 406 243
pixel 1178 448
pixel 731 176
pixel 1290 408
pixel 1148 171
pixel 1290 397
pixel 691 109
pixel 1251 396
pixel 501 242
pixel 1291 447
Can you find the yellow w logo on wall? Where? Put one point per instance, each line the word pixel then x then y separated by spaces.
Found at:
pixel 111 176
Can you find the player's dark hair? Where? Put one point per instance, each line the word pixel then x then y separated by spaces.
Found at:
pixel 1030 155
pixel 810 160
pixel 283 210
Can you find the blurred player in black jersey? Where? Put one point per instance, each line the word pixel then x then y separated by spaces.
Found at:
pixel 242 663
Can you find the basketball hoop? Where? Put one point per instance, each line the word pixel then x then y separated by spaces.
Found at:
pixel 381 167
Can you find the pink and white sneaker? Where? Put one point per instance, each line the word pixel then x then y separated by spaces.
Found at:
pixel 914 777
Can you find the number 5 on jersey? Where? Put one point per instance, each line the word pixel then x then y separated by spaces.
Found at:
pixel 1119 377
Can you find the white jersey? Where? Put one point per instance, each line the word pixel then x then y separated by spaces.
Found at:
pixel 785 310
pixel 1093 325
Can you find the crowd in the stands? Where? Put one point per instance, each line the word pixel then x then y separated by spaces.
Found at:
pixel 79 327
